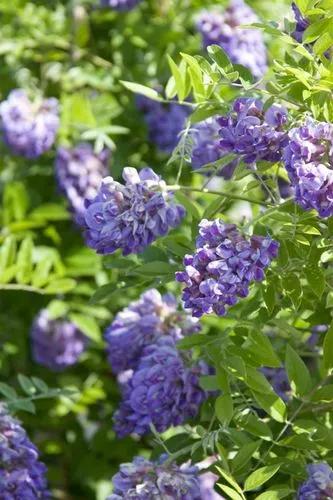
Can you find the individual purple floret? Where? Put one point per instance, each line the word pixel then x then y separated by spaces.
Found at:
pixel 301 24
pixel 243 46
pixel 319 485
pixel 316 332
pixel 252 133
pixel 309 161
pixel 79 173
pixel 163 391
pixel 57 343
pixel 146 480
pixel 223 267
pixel 207 149
pixel 142 323
pixel 278 379
pixel 130 216
pixel 22 475
pixel 29 127
pixel 121 5
pixel 164 122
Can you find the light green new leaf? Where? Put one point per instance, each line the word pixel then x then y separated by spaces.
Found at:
pixel 298 374
pixel 260 476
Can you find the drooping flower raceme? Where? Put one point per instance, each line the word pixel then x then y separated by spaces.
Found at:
pixel 22 475
pixel 79 173
pixel 162 391
pixel 319 485
pixel 130 216
pixel 223 267
pixel 142 323
pixel 301 24
pixel 207 148
pixel 309 162
pixel 146 480
pixel 243 46
pixel 164 122
pixel 56 343
pixel 252 133
pixel 29 127
pixel 120 4
pixel 278 379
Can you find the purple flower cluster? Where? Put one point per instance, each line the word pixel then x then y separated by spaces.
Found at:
pixel 29 128
pixel 142 323
pixel 207 149
pixel 130 216
pixel 146 480
pixel 243 46
pixel 309 160
pixel 22 475
pixel 79 173
pixel 120 5
pixel 56 343
pixel 162 391
pixel 164 122
pixel 223 267
pixel 301 24
pixel 319 485
pixel 252 133
pixel 278 379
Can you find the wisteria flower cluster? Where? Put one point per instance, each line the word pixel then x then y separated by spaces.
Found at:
pixel 29 127
pixel 207 148
pixel 319 485
pixel 301 23
pixel 308 159
pixel 223 267
pixel 253 133
pixel 121 5
pixel 243 46
pixel 56 343
pixel 142 323
pixel 22 475
pixel 164 122
pixel 79 173
pixel 130 216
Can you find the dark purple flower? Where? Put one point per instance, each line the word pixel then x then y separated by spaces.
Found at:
pixel 278 379
pixel 130 216
pixel 142 323
pixel 146 480
pixel 319 485
pixel 162 391
pixel 309 160
pixel 207 149
pixel 164 122
pixel 223 267
pixel 22 475
pixel 252 133
pixel 243 46
pixel 56 343
pixel 120 5
pixel 29 127
pixel 301 24
pixel 79 173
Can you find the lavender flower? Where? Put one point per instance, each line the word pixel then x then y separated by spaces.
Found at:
pixel 313 339
pixel 22 475
pixel 120 5
pixel 79 174
pixel 142 323
pixel 130 216
pixel 56 344
pixel 278 379
pixel 309 159
pixel 207 483
pixel 146 480
pixel 252 133
pixel 301 24
pixel 319 485
pixel 207 149
pixel 243 46
pixel 163 391
pixel 29 128
pixel 223 267
pixel 164 122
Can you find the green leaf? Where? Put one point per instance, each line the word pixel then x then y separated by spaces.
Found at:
pixel 272 404
pixel 137 88
pixel 230 492
pixel 324 394
pixel 220 57
pixel 7 391
pixel 224 409
pixel 293 289
pixel 155 269
pixel 26 384
pixel 102 293
pixel 40 384
pixel 316 278
pixel 245 454
pixel 21 404
pixel 275 494
pixel 255 426
pixel 63 285
pixel 209 383
pixel 87 325
pixel 178 77
pixel 191 206
pixel 228 477
pixel 24 261
pixel 260 476
pixel 298 374
pixel 328 348
pixel 262 350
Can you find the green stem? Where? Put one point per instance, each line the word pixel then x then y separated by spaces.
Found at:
pixel 24 288
pixel 232 196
